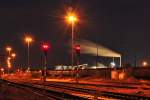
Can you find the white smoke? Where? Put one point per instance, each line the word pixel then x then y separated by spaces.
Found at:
pixel 88 47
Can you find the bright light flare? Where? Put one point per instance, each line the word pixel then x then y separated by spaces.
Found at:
pixel 71 18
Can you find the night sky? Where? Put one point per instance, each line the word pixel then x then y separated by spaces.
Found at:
pixel 122 25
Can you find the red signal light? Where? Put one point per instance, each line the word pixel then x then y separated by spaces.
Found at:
pixel 45 47
pixel 77 48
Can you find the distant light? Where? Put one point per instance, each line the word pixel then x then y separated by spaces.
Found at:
pixel 28 39
pixel 8 49
pixel 8 58
pixel 112 64
pixel 13 55
pixel 45 46
pixel 93 67
pixel 77 48
pixel 2 69
pixel 144 63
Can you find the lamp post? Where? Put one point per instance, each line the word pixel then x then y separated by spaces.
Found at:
pixel 13 55
pixel 8 49
pixel 28 40
pixel 72 19
pixel 9 63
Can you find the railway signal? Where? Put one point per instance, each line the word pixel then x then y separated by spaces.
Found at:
pixel 77 49
pixel 45 47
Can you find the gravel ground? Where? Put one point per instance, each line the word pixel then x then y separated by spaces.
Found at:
pixel 8 92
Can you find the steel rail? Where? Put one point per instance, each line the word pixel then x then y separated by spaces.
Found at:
pixel 46 92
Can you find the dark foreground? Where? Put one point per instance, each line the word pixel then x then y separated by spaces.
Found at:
pixel 8 92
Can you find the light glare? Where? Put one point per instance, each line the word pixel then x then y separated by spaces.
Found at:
pixel 145 63
pixel 8 49
pixel 13 55
pixel 28 39
pixel 71 18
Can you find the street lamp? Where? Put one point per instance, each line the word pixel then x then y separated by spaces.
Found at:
pixel 144 63
pixel 28 40
pixel 72 19
pixel 9 63
pixel 13 55
pixel 8 49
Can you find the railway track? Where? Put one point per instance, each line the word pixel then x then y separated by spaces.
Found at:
pixel 106 94
pixel 114 95
pixel 52 95
pixel 122 96
pixel 95 93
pixel 126 86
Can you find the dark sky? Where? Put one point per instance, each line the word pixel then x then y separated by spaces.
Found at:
pixel 122 25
